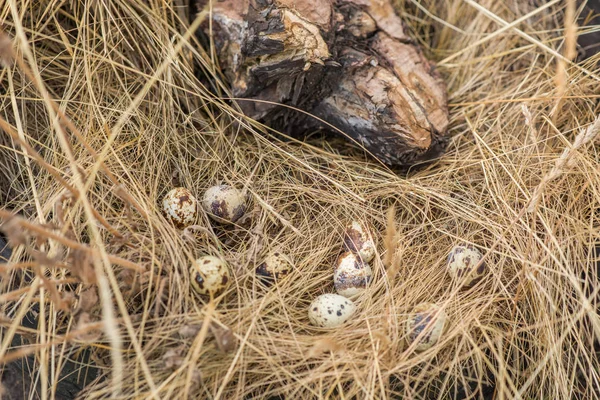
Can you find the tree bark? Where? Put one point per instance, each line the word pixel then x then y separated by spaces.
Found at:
pixel 348 62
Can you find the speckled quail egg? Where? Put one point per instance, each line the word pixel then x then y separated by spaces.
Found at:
pixel 464 266
pixel 351 275
pixel 180 207
pixel 209 275
pixel 224 203
pixel 330 310
pixel 358 240
pixel 425 324
pixel 275 266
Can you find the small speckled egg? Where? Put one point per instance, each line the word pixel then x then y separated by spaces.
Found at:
pixel 275 266
pixel 224 203
pixel 330 310
pixel 209 275
pixel 463 265
pixel 358 240
pixel 180 207
pixel 352 275
pixel 425 324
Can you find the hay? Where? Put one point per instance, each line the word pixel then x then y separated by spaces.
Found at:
pixel 142 123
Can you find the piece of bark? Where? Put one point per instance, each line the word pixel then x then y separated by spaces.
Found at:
pixel 348 62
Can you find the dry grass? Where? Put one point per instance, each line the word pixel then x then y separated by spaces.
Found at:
pixel 105 114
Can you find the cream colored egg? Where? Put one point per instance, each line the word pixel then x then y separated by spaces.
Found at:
pixel 224 203
pixel 351 275
pixel 358 240
pixel 275 266
pixel 330 310
pixel 180 207
pixel 209 275
pixel 464 266
pixel 425 325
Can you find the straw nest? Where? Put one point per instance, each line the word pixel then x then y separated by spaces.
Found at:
pixel 106 106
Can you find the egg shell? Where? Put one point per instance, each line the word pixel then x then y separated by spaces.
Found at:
pixel 425 324
pixel 209 275
pixel 330 310
pixel 462 265
pixel 224 203
pixel 180 207
pixel 275 266
pixel 351 275
pixel 358 240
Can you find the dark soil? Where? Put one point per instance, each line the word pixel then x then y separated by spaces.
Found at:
pixel 589 43
pixel 18 377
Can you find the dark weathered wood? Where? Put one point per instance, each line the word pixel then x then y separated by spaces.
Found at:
pixel 348 62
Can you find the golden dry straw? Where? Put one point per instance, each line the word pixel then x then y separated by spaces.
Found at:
pixel 106 106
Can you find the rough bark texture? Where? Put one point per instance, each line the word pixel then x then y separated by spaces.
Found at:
pixel 348 62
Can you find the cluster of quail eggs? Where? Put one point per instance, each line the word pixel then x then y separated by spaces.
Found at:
pixel 425 325
pixel 352 274
pixel 223 203
pixel 209 275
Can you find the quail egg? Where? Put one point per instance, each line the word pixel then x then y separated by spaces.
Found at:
pixel 275 266
pixel 209 275
pixel 224 203
pixel 330 310
pixel 425 324
pixel 358 240
pixel 352 275
pixel 180 207
pixel 464 266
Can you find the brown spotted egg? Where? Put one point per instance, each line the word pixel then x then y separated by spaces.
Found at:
pixel 358 240
pixel 224 203
pixel 180 207
pixel 425 325
pixel 464 266
pixel 275 266
pixel 330 310
pixel 351 275
pixel 209 275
